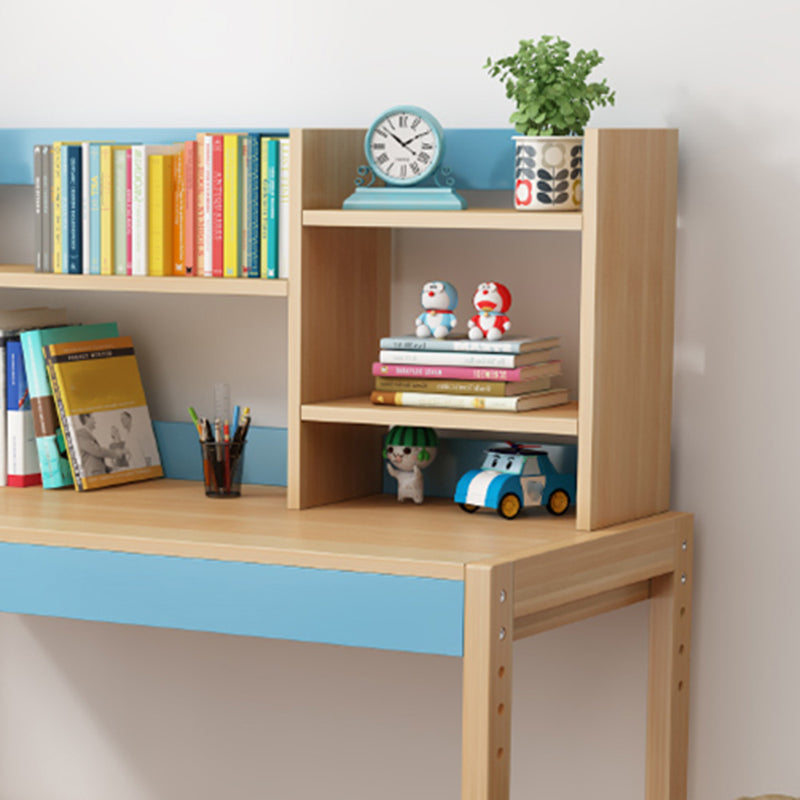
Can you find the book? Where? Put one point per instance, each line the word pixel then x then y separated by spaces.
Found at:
pixel 22 463
pixel 215 212
pixel 85 212
pixel 106 210
pixel 93 226
pixel 445 386
pixel 50 444
pixel 446 358
pixel 537 370
pixel 251 205
pixel 179 213
pixel 270 155
pixel 47 208
pixel 103 411
pixel 38 236
pixel 56 207
pixel 72 209
pixel 159 214
pixel 190 173
pixel 231 202
pixel 458 344
pixel 120 216
pixel 12 322
pixel 201 237
pixel 283 209
pixel 524 402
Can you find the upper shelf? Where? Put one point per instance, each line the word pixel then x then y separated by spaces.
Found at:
pixel 498 219
pixel 24 277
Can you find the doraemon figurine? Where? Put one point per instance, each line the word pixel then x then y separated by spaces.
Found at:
pixel 492 300
pixel 408 451
pixel 439 299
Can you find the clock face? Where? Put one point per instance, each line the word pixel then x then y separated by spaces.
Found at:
pixel 404 146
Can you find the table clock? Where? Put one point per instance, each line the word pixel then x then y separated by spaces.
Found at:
pixel 404 147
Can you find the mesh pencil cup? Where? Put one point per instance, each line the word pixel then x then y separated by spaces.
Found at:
pixel 222 468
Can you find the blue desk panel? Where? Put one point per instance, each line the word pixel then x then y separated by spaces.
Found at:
pixel 389 612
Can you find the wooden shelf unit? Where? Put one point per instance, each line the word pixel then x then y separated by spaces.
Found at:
pixel 622 421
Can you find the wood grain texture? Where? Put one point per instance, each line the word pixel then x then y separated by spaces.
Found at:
pixel 626 337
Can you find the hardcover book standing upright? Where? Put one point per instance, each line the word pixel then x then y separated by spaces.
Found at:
pixel 103 411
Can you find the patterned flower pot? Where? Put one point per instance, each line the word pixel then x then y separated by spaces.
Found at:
pixel 547 173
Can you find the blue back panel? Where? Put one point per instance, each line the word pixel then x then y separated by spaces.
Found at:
pixel 389 612
pixel 480 159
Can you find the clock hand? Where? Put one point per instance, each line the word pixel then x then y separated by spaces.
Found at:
pixel 403 144
pixel 424 133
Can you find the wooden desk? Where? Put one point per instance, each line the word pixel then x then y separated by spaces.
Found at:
pixel 368 573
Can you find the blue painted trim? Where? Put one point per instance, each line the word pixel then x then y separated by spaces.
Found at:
pixel 16 144
pixel 480 158
pixel 264 455
pixel 388 612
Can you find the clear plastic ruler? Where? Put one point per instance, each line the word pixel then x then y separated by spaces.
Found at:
pixel 222 401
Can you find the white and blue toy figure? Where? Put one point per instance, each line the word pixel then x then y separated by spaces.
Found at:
pixel 439 299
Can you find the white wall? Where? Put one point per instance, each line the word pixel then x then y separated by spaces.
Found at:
pixel 92 711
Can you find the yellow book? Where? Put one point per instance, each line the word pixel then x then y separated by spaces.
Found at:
pixel 160 222
pixel 56 208
pixel 101 404
pixel 231 203
pixel 106 210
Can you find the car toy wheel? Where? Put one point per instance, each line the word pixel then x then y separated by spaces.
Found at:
pixel 470 509
pixel 558 502
pixel 509 506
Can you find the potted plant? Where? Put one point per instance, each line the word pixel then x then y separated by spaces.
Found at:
pixel 554 100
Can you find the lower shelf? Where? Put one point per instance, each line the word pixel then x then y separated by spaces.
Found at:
pixel 555 421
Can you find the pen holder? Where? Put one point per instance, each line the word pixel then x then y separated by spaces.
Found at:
pixel 222 468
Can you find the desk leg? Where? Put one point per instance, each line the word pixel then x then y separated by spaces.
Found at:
pixel 486 715
pixel 668 691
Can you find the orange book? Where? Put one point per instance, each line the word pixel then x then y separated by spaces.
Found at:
pixel 190 197
pixel 179 215
pixel 200 216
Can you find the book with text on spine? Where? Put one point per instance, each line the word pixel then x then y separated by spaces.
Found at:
pixel 463 344
pixel 464 359
pixel 50 444
pixel 103 411
pixel 478 388
pixel 525 402
pixel 160 202
pixel 21 459
pixel 539 369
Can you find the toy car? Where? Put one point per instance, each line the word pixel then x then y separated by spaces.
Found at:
pixel 514 476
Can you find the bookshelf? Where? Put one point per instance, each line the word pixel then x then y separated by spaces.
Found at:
pixel 329 558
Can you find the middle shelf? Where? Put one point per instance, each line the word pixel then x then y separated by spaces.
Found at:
pixel 555 421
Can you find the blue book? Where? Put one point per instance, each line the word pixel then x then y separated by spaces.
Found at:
pixel 252 206
pixel 51 448
pixel 72 216
pixel 94 208
pixel 23 462
pixel 273 162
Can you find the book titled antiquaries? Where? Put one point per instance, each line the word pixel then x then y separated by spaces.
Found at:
pixel 103 412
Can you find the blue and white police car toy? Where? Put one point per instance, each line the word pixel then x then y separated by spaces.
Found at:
pixel 513 477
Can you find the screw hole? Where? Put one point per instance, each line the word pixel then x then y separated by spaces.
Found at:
pixel 499 752
pixel 501 672
pixel 683 610
pixel 680 686
pixel 501 708
pixel 680 649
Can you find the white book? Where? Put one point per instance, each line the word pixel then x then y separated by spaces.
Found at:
pixel 460 359
pixel 3 436
pixel 522 402
pixel 283 209
pixel 85 203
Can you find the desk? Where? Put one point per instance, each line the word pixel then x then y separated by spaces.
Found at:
pixel 366 573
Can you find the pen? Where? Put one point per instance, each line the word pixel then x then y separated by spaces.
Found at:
pixel 227 439
pixel 235 420
pixel 196 421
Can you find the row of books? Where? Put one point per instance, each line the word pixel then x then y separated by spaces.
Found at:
pixel 216 206
pixel 512 374
pixel 76 411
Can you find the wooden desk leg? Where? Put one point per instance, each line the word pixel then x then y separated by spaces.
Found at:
pixel 486 715
pixel 668 692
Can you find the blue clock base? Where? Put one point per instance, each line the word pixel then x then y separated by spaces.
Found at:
pixel 410 199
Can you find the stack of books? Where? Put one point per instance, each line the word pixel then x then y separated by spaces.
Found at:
pixel 511 374
pixel 215 206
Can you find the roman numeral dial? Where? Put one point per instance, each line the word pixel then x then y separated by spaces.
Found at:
pixel 404 146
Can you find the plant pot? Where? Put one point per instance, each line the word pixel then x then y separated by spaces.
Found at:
pixel 548 172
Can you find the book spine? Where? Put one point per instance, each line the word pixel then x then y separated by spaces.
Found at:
pixel 21 454
pixel 230 205
pixel 86 219
pixel 58 264
pixel 159 209
pixel 283 209
pixel 47 208
pixel 217 205
pixel 273 165
pixel 253 206
pixel 139 215
pixel 208 205
pixel 451 345
pixel 66 431
pixel 120 214
pixel 202 199
pixel 74 217
pixel 95 230
pixel 106 210
pixel 129 211
pixel 179 214
pixel 264 210
pixel 424 400
pixel 38 237
pixel 447 359
pixel 3 413
pixel 460 373
pixel 190 212
pixel 446 386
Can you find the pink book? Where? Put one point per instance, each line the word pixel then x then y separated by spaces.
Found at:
pixel 129 211
pixel 540 370
pixel 190 198
pixel 217 205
